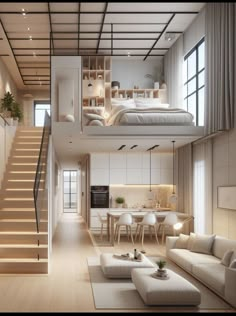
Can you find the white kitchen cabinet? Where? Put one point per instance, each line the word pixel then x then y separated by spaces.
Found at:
pixel 155 160
pixel 156 176
pixel 99 160
pixel 166 176
pixel 118 176
pixel 117 161
pixel 65 98
pixel 134 160
pixel 166 161
pixel 134 176
pixel 99 176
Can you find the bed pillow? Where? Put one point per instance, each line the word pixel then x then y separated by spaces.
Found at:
pixel 124 102
pixel 203 244
pixel 98 111
pixel 182 241
pixel 93 116
pixel 150 102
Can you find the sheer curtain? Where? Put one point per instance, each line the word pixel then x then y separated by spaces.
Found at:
pixel 220 41
pixel 184 179
pixel 202 187
pixel 173 69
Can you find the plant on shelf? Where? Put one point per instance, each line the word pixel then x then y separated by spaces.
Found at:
pixel 10 107
pixel 161 264
pixel 120 200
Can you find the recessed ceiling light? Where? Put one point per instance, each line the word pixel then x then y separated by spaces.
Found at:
pixel 34 54
pixel 128 54
pixel 30 37
pixel 23 12
pixel 169 36
pixel 28 28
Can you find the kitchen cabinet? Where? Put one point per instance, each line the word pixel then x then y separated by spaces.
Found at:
pixel 99 160
pixel 117 161
pixel 134 176
pixel 118 176
pixel 99 177
pixel 99 172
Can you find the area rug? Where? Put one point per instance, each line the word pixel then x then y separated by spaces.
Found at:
pixel 122 294
pixel 97 242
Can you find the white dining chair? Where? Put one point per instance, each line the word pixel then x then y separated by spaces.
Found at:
pixel 149 220
pixel 126 220
pixel 169 222
pixel 103 221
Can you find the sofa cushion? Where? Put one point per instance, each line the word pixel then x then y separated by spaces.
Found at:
pixel 233 264
pixel 182 241
pixel 203 243
pixel 191 240
pixel 227 258
pixel 233 257
pixel 212 274
pixel 187 259
pixel 222 244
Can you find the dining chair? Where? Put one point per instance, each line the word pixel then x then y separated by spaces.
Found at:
pixel 126 220
pixel 169 222
pixel 149 220
pixel 103 221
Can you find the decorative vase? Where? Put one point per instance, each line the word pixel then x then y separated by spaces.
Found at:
pixel 119 205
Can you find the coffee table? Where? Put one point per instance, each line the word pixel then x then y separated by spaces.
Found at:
pixel 115 267
pixel 174 290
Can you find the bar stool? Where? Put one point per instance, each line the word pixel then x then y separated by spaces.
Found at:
pixel 170 220
pixel 126 220
pixel 149 220
pixel 103 221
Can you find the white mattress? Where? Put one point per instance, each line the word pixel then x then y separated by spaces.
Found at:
pixel 152 116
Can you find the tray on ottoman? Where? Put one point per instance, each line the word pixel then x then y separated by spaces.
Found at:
pixel 115 267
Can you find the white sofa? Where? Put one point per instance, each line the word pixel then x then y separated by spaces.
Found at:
pixel 208 268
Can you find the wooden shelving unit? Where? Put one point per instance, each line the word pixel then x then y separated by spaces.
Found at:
pixel 96 80
pixel 135 93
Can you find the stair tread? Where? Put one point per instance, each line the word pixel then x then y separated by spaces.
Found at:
pixel 22 233
pixel 19 260
pixel 21 220
pixel 23 246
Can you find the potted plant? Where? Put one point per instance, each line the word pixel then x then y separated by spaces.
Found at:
pixel 10 107
pixel 120 200
pixel 161 271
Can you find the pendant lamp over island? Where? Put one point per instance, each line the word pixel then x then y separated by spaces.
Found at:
pixel 173 198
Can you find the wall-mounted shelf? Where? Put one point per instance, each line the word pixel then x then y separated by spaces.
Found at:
pixel 135 93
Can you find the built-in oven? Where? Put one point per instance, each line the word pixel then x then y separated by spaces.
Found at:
pixel 99 196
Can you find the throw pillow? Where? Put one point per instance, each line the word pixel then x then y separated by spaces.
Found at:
pixel 182 241
pixel 191 240
pixel 233 257
pixel 69 118
pixel 227 258
pixel 92 116
pixel 233 264
pixel 203 243
pixel 95 123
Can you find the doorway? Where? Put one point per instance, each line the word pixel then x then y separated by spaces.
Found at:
pixel 39 112
pixel 70 191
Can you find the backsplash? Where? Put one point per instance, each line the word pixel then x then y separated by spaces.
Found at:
pixel 138 196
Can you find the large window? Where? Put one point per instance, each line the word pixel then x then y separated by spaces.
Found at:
pixel 39 112
pixel 194 82
pixel 70 190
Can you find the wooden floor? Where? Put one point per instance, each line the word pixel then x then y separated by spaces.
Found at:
pixel 67 287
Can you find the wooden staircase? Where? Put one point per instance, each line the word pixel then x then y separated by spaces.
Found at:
pixel 22 249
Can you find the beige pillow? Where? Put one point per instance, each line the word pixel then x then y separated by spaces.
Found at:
pixel 191 240
pixel 233 264
pixel 233 257
pixel 227 258
pixel 182 241
pixel 203 243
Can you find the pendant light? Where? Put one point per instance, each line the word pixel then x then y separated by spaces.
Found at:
pixel 173 197
pixel 151 193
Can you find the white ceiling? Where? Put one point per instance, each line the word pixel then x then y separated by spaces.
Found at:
pixel 83 28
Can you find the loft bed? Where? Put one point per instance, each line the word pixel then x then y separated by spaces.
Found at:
pixel 140 117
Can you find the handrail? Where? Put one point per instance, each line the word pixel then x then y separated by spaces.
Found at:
pixel 39 169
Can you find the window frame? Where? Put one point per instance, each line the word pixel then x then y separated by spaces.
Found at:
pixel 69 193
pixel 36 102
pixel 197 74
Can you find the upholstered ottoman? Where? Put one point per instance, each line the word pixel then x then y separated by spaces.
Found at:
pixel 174 290
pixel 115 267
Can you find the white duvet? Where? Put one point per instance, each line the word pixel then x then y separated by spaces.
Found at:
pixel 150 116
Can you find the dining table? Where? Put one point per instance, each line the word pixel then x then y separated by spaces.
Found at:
pixel 138 215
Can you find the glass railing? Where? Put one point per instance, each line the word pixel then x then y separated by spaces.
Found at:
pixel 40 176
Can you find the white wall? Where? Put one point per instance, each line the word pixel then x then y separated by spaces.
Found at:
pixel 6 81
pixel 195 32
pixel 132 72
pixel 224 173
